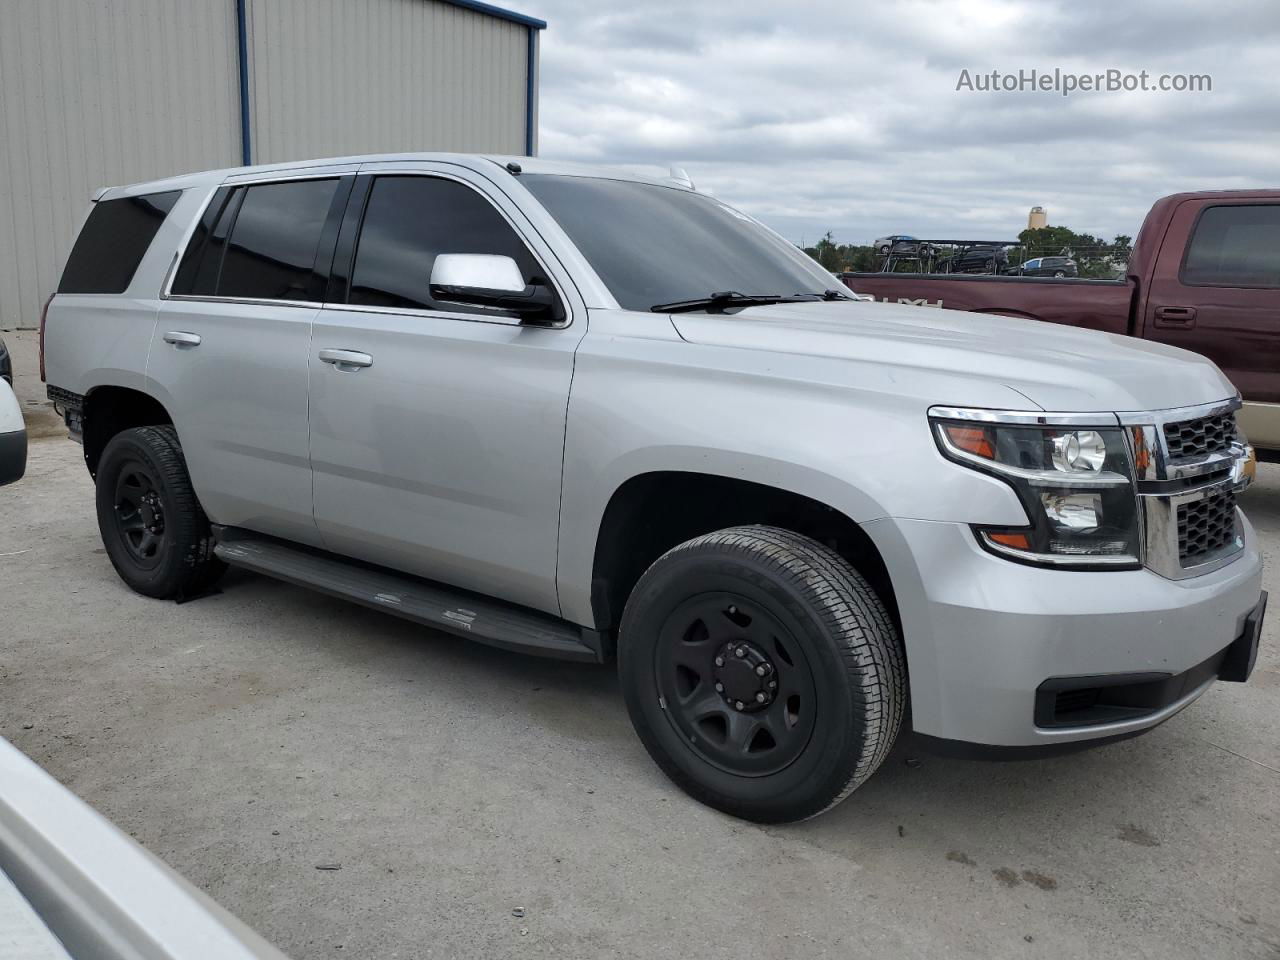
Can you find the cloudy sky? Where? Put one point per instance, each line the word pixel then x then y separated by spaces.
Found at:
pixel 845 115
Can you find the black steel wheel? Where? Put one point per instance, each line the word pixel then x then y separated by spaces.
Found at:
pixel 154 531
pixel 735 683
pixel 762 672
pixel 138 513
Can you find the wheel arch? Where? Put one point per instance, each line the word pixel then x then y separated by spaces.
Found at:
pixel 653 511
pixel 109 409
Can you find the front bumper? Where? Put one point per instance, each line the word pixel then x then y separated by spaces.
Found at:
pixel 983 634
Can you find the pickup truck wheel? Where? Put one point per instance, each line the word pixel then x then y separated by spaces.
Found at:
pixel 762 673
pixel 153 528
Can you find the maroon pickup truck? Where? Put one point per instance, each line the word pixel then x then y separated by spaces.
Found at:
pixel 1204 275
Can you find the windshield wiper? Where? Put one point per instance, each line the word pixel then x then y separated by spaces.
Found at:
pixel 731 298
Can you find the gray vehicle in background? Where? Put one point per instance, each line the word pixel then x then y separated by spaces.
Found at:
pixel 587 415
pixel 73 887
pixel 6 363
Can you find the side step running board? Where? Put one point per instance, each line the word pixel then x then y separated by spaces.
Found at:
pixel 477 618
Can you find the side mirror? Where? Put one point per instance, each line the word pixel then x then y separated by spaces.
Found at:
pixel 485 280
pixel 13 437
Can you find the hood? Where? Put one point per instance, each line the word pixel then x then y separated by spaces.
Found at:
pixel 1057 368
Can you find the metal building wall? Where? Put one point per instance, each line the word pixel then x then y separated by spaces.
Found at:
pixel 96 93
pixel 335 77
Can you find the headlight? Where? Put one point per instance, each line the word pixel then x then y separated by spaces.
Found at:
pixel 1075 483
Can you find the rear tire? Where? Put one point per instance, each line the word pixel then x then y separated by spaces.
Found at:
pixel 153 528
pixel 762 673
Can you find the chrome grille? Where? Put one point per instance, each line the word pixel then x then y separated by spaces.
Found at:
pixel 1206 526
pixel 1188 464
pixel 1204 435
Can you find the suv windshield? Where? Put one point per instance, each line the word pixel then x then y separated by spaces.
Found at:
pixel 653 245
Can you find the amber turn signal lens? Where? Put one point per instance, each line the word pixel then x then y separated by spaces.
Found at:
pixel 971 440
pixel 1018 541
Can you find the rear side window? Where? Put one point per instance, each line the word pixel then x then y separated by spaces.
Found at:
pixel 259 242
pixel 112 242
pixel 1235 246
pixel 407 222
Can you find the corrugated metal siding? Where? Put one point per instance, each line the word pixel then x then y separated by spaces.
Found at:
pixel 98 93
pixel 337 77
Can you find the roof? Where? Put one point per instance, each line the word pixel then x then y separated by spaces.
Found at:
pixel 500 12
pixel 475 161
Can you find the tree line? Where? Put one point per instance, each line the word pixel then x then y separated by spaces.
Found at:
pixel 1095 258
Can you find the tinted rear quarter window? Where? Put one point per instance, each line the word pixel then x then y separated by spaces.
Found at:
pixel 1235 246
pixel 259 242
pixel 407 222
pixel 113 241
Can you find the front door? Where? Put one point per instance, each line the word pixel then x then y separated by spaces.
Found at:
pixel 437 430
pixel 1223 300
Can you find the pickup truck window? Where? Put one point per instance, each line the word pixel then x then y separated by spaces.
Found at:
pixel 408 220
pixel 258 242
pixel 112 242
pixel 652 244
pixel 1236 245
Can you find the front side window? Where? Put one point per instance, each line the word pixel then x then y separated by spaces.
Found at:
pixel 259 242
pixel 408 221
pixel 653 244
pixel 112 242
pixel 1235 246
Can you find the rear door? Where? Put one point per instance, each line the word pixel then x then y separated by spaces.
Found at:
pixel 229 353
pixel 438 451
pixel 1219 295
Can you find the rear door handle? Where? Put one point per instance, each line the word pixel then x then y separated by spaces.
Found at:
pixel 346 360
pixel 180 338
pixel 1182 317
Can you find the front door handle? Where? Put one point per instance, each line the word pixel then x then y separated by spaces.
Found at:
pixel 1178 317
pixel 346 360
pixel 180 338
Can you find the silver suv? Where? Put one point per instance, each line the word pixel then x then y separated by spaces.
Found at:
pixel 582 414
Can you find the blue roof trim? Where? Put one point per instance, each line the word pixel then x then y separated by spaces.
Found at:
pixel 529 78
pixel 491 10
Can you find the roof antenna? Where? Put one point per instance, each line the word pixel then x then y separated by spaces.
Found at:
pixel 680 177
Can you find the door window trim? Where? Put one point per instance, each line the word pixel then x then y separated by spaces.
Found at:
pixel 1191 236
pixel 236 182
pixel 354 220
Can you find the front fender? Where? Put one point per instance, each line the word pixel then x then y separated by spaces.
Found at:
pixel 654 403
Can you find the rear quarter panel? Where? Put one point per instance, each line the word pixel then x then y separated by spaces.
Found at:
pixel 94 340
pixel 1094 304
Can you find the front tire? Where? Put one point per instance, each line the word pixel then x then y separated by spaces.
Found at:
pixel 153 528
pixel 762 673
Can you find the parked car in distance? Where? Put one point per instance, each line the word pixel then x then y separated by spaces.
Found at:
pixel 6 363
pixel 526 403
pixel 1049 267
pixel 1204 275
pixel 980 259
pixel 903 245
pixel 13 437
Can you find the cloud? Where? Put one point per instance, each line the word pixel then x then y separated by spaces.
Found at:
pixel 816 116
